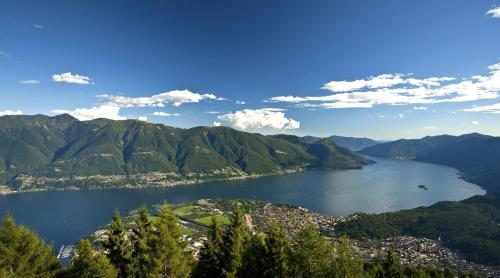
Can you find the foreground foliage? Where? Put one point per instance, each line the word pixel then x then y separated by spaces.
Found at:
pixel 157 249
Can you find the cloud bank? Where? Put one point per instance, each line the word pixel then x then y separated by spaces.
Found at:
pixel 495 109
pixel 86 114
pixel 10 112
pixel 176 98
pixel 260 118
pixel 399 89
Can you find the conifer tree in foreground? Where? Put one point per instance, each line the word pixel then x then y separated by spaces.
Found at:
pixel 172 259
pixel 88 263
pixel 253 257
pixel 313 254
pixel 278 252
pixel 210 256
pixel 348 262
pixel 119 249
pixel 232 247
pixel 23 254
pixel 143 264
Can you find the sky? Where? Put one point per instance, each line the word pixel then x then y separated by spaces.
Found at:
pixel 380 69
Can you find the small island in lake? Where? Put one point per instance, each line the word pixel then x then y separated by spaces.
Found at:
pixel 423 187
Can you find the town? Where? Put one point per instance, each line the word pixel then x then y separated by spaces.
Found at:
pixel 194 219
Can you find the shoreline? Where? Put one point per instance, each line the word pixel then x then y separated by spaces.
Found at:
pixel 4 190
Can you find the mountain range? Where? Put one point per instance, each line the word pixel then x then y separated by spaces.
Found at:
pixel 41 152
pixel 470 226
pixel 352 143
pixel 477 156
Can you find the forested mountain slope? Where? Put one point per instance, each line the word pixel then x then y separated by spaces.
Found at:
pixel 38 152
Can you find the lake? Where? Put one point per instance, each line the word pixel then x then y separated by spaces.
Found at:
pixel 63 217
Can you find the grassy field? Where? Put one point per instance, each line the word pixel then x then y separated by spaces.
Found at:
pixel 184 209
pixel 221 219
pixel 192 212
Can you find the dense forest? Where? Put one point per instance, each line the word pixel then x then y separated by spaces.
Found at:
pixel 157 249
pixel 41 152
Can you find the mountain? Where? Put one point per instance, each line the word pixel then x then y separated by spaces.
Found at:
pixel 352 143
pixel 477 156
pixel 470 226
pixel 41 152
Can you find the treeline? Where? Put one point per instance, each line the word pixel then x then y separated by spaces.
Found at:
pixel 155 248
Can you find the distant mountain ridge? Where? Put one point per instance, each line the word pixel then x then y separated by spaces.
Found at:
pixel 477 156
pixel 40 152
pixel 352 143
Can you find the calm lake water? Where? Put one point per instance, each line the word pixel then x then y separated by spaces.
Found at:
pixel 63 217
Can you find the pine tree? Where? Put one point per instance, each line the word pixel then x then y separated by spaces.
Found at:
pixel 253 257
pixel 391 265
pixel 348 263
pixel 278 249
pixel 171 256
pixel 23 254
pixel 143 264
pixel 88 263
pixel 119 249
pixel 210 256
pixel 233 244
pixel 313 254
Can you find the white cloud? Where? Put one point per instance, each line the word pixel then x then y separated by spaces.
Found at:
pixel 260 118
pixel 430 127
pixel 212 112
pixel 240 102
pixel 165 114
pixel 398 89
pixel 10 112
pixel 217 124
pixel 382 81
pixel 494 12
pixel 68 77
pixel 475 122
pixel 142 118
pixel 495 108
pixel 29 82
pixel 400 116
pixel 86 114
pixel 38 26
pixel 423 108
pixel 176 98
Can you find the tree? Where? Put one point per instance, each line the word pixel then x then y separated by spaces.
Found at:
pixel 142 261
pixel 313 254
pixel 277 253
pixel 210 256
pixel 23 254
pixel 232 247
pixel 171 256
pixel 391 265
pixel 88 263
pixel 348 262
pixel 119 249
pixel 254 256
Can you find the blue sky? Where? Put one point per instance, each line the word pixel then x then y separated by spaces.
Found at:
pixel 380 69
